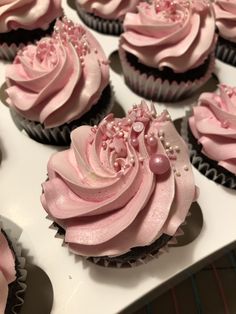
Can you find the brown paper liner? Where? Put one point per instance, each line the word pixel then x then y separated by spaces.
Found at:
pixel 110 27
pixel 157 89
pixel 226 51
pixel 18 287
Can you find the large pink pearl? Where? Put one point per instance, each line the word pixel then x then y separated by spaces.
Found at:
pixel 159 163
pixel 152 141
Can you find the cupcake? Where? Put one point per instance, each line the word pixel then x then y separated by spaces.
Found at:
pixel 59 83
pixel 12 276
pixel 167 48
pixel 105 16
pixel 122 190
pixel 225 12
pixel 24 21
pixel 210 130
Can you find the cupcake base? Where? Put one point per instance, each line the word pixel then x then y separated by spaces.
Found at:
pixel 209 168
pixel 61 135
pixel 12 41
pixel 17 288
pixel 226 51
pixel 137 256
pixel 109 27
pixel 163 85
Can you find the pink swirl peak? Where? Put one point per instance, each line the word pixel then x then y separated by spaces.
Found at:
pixel 122 184
pixel 214 125
pixel 179 34
pixel 60 78
pixel 28 14
pixel 225 11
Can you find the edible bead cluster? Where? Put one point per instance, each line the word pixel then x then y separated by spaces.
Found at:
pixel 66 30
pixel 123 138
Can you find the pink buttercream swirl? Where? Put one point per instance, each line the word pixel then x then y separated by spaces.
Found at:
pixel 60 78
pixel 214 125
pixel 225 11
pixel 28 14
pixel 111 10
pixel 179 34
pixel 7 270
pixel 122 184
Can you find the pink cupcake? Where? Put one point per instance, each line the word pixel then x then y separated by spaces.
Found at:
pixel 24 21
pixel 12 276
pixel 167 48
pixel 210 130
pixel 123 189
pixel 225 12
pixel 59 83
pixel 105 16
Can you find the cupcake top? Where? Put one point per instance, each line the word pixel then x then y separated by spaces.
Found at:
pixel 60 78
pixel 109 9
pixel 176 34
pixel 225 11
pixel 7 270
pixel 28 14
pixel 121 184
pixel 214 125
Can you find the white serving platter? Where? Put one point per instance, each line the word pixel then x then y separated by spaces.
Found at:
pixel 80 286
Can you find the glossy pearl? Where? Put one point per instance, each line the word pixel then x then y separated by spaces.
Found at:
pixel 159 164
pixel 134 142
pixel 138 127
pixel 152 141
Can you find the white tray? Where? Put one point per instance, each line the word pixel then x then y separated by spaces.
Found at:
pixel 82 287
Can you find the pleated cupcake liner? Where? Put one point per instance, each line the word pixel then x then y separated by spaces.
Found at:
pixel 8 52
pixel 158 89
pixel 110 27
pixel 61 135
pixel 18 287
pixel 226 52
pixel 202 163
pixel 150 252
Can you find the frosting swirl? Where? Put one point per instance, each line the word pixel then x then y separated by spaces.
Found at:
pixel 225 11
pixel 121 184
pixel 60 78
pixel 28 14
pixel 175 34
pixel 214 125
pixel 112 9
pixel 7 270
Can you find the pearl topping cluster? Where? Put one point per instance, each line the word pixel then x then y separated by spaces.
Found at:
pixel 66 30
pixel 123 137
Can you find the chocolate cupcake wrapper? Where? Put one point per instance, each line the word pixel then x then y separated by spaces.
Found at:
pixel 16 301
pixel 226 53
pixel 108 262
pixel 199 161
pixel 157 89
pixel 61 135
pixel 8 52
pixel 110 27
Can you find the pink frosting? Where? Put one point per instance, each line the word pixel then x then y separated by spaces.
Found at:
pixel 60 78
pixel 7 270
pixel 177 34
pixel 28 14
pixel 214 125
pixel 103 192
pixel 225 11
pixel 109 9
